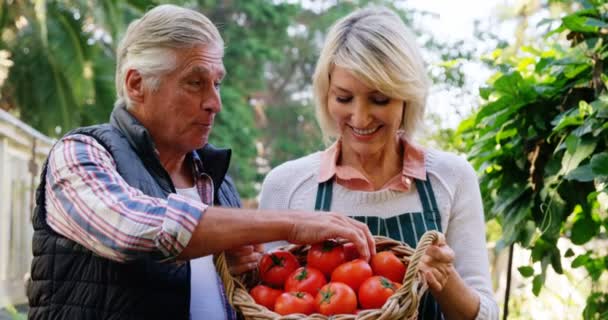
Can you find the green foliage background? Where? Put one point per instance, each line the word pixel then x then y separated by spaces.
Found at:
pixel 540 143
pixel 63 60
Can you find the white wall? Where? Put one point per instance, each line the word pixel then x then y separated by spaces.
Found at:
pixel 17 185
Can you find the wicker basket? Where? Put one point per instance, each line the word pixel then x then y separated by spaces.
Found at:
pixel 403 304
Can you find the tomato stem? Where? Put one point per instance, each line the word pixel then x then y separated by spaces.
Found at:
pixel 302 275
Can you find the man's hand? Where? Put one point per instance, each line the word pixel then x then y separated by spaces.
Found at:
pixel 437 265
pixel 244 259
pixel 222 229
pixel 313 228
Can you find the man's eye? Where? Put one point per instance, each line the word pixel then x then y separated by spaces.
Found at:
pixel 344 99
pixel 195 83
pixel 217 85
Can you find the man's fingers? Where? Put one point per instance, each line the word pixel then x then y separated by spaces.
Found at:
pixel 368 236
pixel 358 239
pixel 363 235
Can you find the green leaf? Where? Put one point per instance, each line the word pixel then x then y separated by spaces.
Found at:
pixel 584 230
pixel 569 253
pixel 556 261
pixel 582 149
pixel 580 260
pixel 537 284
pixel 539 250
pixel 599 164
pixel 571 144
pixel 578 23
pixel 582 173
pixel 526 271
pixel 509 84
pixel 553 211
pixel 596 23
pixel 572 71
pixel 568 121
pixel 484 92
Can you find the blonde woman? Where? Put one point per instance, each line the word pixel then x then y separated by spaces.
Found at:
pixel 370 88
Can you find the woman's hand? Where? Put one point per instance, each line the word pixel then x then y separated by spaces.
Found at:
pixel 244 259
pixel 436 265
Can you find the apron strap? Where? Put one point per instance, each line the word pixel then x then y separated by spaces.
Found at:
pixel 324 195
pixel 427 198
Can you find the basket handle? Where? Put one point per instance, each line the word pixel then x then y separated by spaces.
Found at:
pixel 229 281
pixel 428 239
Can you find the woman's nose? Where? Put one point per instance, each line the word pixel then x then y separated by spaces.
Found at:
pixel 361 116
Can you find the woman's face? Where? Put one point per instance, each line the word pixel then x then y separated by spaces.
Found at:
pixel 367 120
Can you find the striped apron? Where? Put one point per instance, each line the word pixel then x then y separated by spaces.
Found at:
pixel 406 227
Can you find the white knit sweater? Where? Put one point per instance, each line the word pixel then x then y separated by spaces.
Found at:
pixel 293 185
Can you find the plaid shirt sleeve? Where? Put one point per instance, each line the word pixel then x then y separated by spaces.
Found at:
pixel 89 202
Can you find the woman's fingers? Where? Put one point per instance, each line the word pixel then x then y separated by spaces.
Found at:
pixel 244 259
pixel 240 269
pixel 436 266
pixel 440 254
pixel 241 251
pixel 432 281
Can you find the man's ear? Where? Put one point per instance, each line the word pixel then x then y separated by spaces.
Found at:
pixel 134 86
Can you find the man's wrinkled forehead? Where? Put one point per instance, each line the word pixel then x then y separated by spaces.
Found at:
pixel 215 71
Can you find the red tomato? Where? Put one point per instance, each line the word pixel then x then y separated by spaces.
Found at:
pixel 275 267
pixel 265 296
pixel 325 256
pixel 352 273
pixel 350 252
pixel 336 298
pixel 374 292
pixel 305 279
pixel 295 302
pixel 387 264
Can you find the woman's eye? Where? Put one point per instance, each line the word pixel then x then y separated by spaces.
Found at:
pixel 344 99
pixel 381 101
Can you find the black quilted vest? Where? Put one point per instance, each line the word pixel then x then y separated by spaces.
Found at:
pixel 71 282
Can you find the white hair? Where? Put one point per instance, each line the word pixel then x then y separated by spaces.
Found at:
pixel 380 50
pixel 149 44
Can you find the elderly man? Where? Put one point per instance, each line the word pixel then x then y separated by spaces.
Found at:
pixel 122 205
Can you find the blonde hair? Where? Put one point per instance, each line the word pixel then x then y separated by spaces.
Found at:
pixel 149 44
pixel 375 45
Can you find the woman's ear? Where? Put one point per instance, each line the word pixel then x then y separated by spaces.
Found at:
pixel 134 86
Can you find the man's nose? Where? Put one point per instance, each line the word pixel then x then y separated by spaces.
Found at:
pixel 212 101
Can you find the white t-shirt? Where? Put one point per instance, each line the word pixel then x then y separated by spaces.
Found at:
pixel 205 295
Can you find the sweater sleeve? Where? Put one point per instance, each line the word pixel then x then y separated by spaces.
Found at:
pixel 466 236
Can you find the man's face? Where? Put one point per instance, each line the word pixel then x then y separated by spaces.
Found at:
pixel 180 113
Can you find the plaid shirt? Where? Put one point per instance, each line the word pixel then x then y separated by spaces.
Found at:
pixel 90 203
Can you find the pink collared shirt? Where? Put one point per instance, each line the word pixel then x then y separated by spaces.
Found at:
pixel 351 178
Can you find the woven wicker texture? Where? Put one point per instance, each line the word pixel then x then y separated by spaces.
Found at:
pixel 403 304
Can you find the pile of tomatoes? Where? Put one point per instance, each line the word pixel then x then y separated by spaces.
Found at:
pixel 333 281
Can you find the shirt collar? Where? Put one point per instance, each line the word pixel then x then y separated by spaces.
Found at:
pixel 413 163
